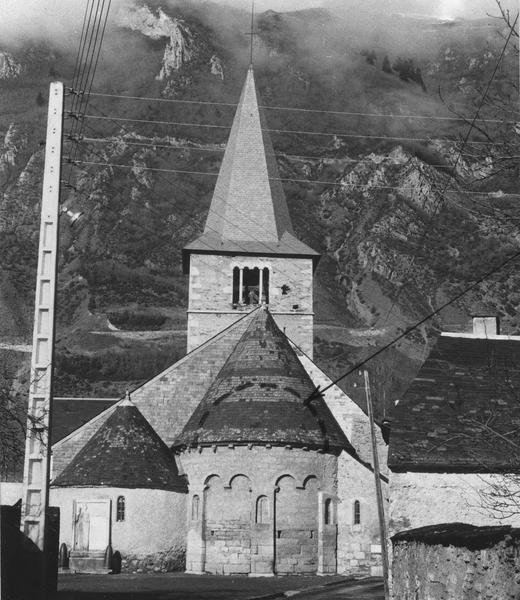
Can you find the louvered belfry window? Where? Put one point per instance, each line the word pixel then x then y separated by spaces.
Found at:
pixel 250 286
pixel 120 509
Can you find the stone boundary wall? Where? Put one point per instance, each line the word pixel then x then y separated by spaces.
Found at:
pixel 456 561
pixel 159 562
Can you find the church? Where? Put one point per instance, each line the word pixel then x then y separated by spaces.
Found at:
pixel 230 461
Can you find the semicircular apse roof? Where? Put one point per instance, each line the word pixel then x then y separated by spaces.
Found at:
pixel 261 396
pixel 125 452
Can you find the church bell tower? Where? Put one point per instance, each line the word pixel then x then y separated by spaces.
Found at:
pixel 248 254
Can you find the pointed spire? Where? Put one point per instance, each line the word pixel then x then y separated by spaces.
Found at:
pixel 248 212
pixel 248 202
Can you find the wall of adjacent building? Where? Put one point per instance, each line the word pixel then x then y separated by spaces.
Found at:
pixel 420 499
pixel 359 547
pixel 153 533
pixel 211 293
pixel 225 535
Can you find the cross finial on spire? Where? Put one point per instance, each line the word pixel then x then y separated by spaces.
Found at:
pixel 252 32
pixel 127 401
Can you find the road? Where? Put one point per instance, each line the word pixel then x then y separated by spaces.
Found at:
pixel 180 586
pixel 371 589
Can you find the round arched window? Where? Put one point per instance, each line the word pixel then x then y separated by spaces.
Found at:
pixel 195 508
pixel 328 511
pixel 120 508
pixel 357 512
pixel 262 509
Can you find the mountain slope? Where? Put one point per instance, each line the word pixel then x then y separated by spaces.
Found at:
pixel 381 197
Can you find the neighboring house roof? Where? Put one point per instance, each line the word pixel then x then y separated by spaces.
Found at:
pixel 462 411
pixel 261 396
pixel 248 211
pixel 125 452
pixel 70 413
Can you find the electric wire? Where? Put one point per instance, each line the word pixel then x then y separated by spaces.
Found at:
pixel 295 109
pixel 357 366
pixel 80 46
pixel 79 67
pixel 83 75
pixel 88 60
pixel 151 144
pixel 284 131
pixel 307 181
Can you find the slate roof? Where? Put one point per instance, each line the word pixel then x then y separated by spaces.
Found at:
pixel 259 396
pixel 125 452
pixel 461 535
pixel 210 243
pixel 248 211
pixel 462 411
pixel 70 413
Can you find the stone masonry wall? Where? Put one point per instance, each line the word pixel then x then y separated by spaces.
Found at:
pixel 211 293
pixel 259 510
pixel 359 544
pixel 460 570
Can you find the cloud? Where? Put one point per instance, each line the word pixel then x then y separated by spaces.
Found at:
pixel 61 20
pixel 45 20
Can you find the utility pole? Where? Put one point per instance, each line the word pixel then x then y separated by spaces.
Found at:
pixel 379 491
pixel 35 494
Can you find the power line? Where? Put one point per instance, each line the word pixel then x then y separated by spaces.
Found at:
pixel 458 296
pixel 80 46
pixel 316 181
pixel 286 131
pixel 86 63
pixel 294 109
pixel 152 144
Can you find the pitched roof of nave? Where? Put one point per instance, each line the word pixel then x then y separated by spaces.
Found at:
pixel 124 452
pixel 248 212
pixel 261 395
pixel 168 399
pixel 70 413
pixel 461 412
